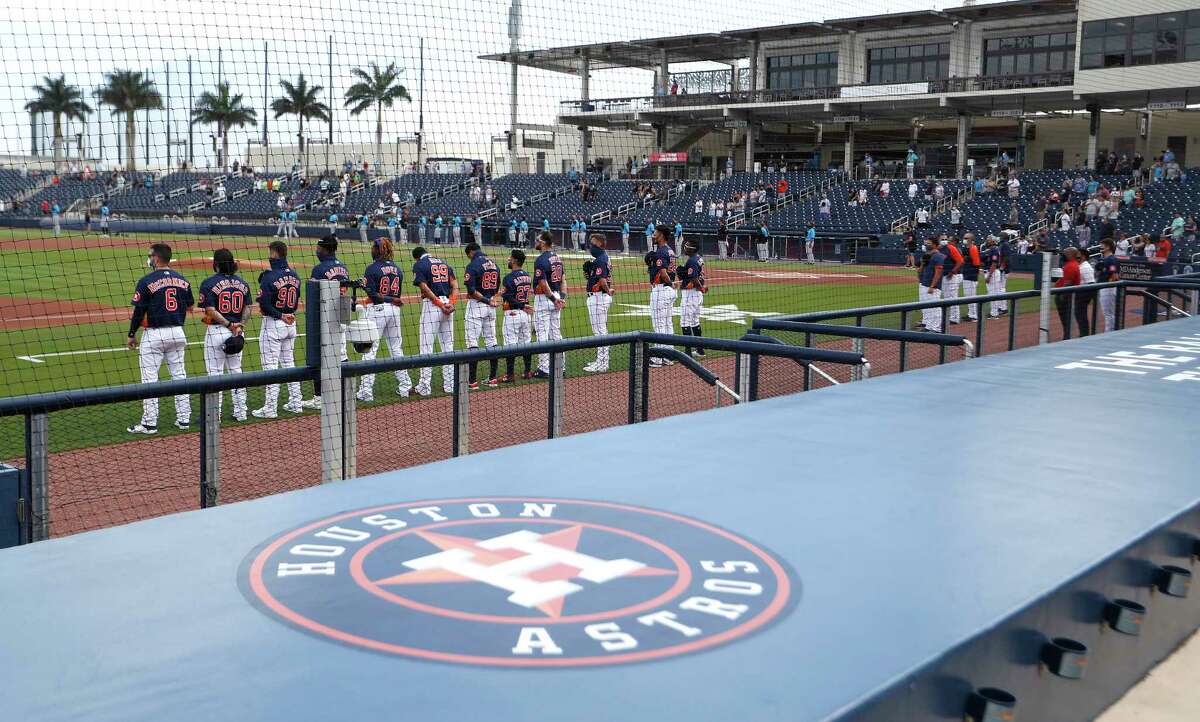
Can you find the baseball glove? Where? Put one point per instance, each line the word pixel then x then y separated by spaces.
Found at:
pixel 587 268
pixel 648 259
pixel 234 345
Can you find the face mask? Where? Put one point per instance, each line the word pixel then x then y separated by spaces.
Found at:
pixel 150 262
pixel 596 251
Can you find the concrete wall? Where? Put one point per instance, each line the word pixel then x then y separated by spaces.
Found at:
pixel 1070 135
pixel 1142 77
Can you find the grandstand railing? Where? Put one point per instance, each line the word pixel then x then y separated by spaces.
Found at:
pixel 338 417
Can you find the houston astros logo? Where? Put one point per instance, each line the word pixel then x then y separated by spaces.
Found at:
pixel 519 582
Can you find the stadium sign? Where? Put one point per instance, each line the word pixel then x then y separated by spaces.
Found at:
pixel 847 119
pixel 1167 105
pixel 663 157
pixel 1007 113
pixel 736 124
pixel 519 582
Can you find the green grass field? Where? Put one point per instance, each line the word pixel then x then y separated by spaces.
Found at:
pixel 89 350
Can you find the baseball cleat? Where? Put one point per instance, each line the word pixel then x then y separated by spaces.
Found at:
pixel 491 383
pixel 363 399
pixel 403 393
pixel 424 392
pixel 527 375
pixel 295 408
pixel 540 374
pixel 140 428
pixel 313 403
pixel 264 414
pixel 474 386
pixel 239 417
pixel 183 425
pixel 656 362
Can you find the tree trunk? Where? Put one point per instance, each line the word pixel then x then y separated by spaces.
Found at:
pixel 224 152
pixel 378 137
pixel 58 143
pixel 130 142
pixel 302 159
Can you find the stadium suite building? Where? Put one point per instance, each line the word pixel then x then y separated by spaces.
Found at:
pixel 1051 82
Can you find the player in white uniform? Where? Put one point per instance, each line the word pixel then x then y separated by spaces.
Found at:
pixel 439 294
pixel 160 304
pixel 549 298
pixel 599 298
pixel 482 281
pixel 225 297
pixel 278 300
pixel 383 281
pixel 692 286
pixel 517 292
pixel 661 268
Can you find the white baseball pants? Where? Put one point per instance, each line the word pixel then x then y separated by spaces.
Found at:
pixel 1108 307
pixel 662 301
pixel 994 284
pixel 277 347
pixel 440 326
pixel 517 327
pixel 480 321
pixel 690 305
pixel 625 243
pixel 217 362
pixel 547 323
pixel 808 251
pixel 387 319
pixel 158 344
pixel 950 288
pixel 457 232
pixel 597 306
pixel 970 287
pixel 931 317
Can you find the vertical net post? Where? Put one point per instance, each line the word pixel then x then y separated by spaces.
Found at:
pixel 637 390
pixel 554 409
pixel 210 450
pixel 1044 308
pixel 462 410
pixel 743 376
pixel 858 346
pixel 349 430
pixel 331 341
pixel 37 465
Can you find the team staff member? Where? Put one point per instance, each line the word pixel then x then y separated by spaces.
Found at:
pixel 292 217
pixel 931 285
pixel 600 291
pixel 678 239
pixel 1108 271
pixel 278 299
pixel 992 278
pixel 650 237
pixel 810 241
pixel 160 304
pixel 477 229
pixel 456 229
pixel 693 287
pixel 1004 250
pixel 482 279
pixel 382 282
pixel 104 214
pixel 952 277
pixel 970 274
pixel 439 293
pixel 224 296
pixel 281 231
pixel 328 268
pixel 1070 277
pixel 517 294
pixel 764 242
pixel 392 223
pixel 661 268
pixel 548 298
pixel 625 236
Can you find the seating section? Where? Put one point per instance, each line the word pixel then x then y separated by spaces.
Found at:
pixel 682 208
pixel 876 216
pixel 13 183
pixel 69 190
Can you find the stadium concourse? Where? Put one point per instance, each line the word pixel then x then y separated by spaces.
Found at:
pixel 741 585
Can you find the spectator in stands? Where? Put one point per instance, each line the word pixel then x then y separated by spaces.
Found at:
pixel 885 189
pixel 862 196
pixel 1083 232
pixel 1023 246
pixel 912 190
pixel 1189 229
pixel 1162 250
pixel 1014 217
pixel 1177 224
pixel 1062 220
pixel 956 219
pixel 824 208
pixel 939 191
pixel 1014 187
pixel 921 216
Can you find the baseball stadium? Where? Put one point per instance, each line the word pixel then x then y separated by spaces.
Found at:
pixel 670 362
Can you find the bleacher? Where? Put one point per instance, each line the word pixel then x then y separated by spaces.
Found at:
pixel 876 216
pixel 13 183
pixel 69 190
pixel 682 208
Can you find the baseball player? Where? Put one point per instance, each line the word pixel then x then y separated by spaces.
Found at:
pixel 764 242
pixel 364 222
pixel 517 293
pixel 160 304
pixel 278 299
pixel 523 230
pixel 600 292
pixel 574 232
pixel 382 282
pixel 970 273
pixel 392 223
pixel 810 241
pixel 952 275
pixel 104 214
pixel 692 287
pixel 661 265
pixel 56 215
pixel 625 236
pixel 548 298
pixel 1005 250
pixel 328 268
pixel 438 224
pixel 281 229
pixel 333 221
pixel 292 217
pixel 482 279
pixel 423 229
pixel 581 239
pixel 931 285
pixel 224 296
pixel 650 237
pixel 456 229
pixel 991 264
pixel 512 232
pixel 678 239
pixel 1108 271
pixel 477 229
pixel 439 293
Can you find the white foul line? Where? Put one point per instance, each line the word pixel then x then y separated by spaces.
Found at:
pixel 38 358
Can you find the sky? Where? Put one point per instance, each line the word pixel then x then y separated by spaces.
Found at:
pixel 466 100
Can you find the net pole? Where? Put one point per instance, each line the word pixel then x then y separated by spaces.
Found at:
pixel 1044 310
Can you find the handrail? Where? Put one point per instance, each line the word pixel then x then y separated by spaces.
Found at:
pixel 864 332
pixel 690 363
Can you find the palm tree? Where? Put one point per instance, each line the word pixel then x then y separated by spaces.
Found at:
pixel 377 88
pixel 224 111
pixel 300 100
pixel 127 92
pixel 60 101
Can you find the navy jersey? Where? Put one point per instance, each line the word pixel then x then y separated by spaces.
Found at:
pixel 691 275
pixel 990 257
pixel 936 259
pixel 549 268
pixel 664 258
pixel 227 293
pixel 482 275
pixel 601 269
pixel 383 280
pixel 518 289
pixel 330 268
pixel 278 289
pixel 433 272
pixel 1005 251
pixel 1108 270
pixel 162 299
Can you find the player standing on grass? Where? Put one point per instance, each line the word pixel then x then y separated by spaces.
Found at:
pixel 1108 271
pixel 104 213
pixel 438 224
pixel 810 240
pixel 160 304
pixel 931 285
pixel 456 229
pixel 482 279
pixel 292 217
pixel 625 236
pixel 328 268
pixel 517 293
pixel 423 229
pixel 382 282
pixel 952 275
pixel 224 296
pixel 650 237
pixel 692 286
pixel 278 299
pixel 970 273
pixel 548 299
pixel 477 229
pixel 600 292
pixel 661 267
pixel 281 230
pixel 439 292
pixel 678 239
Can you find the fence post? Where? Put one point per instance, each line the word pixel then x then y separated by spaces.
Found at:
pixel 858 346
pixel 742 380
pixel 349 430
pixel 1193 301
pixel 1120 307
pixel 554 396
pixel 752 377
pixel 1044 309
pixel 38 468
pixel 210 450
pixel 462 404
pixel 636 389
pixel 332 347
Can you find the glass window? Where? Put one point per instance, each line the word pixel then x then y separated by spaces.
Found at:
pixel 888 73
pixel 1193 52
pixel 1058 39
pixel 1114 43
pixel 874 75
pixel 1117 26
pixel 1091 60
pixel 1194 18
pixel 1006 65
pixel 902 52
pixel 1039 62
pixel 1022 66
pixel 1092 45
pixel 1093 29
pixel 1146 22
pixel 1041 41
